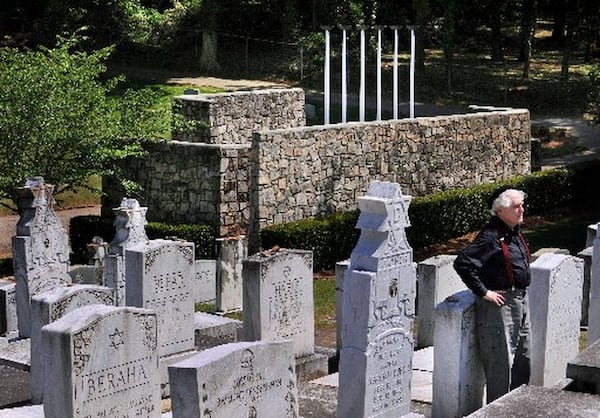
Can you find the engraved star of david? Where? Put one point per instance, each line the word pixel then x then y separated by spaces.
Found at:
pixel 116 339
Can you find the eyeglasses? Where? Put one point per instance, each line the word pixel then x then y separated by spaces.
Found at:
pixel 518 205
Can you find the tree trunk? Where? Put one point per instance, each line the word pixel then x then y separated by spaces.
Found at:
pixel 528 33
pixel 560 20
pixel 572 26
pixel 208 56
pixel 496 26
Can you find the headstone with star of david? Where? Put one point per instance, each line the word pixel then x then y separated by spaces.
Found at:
pixel 101 361
pixel 130 225
pixel 49 306
pixel 40 248
pixel 378 310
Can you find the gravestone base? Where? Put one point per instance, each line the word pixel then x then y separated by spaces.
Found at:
pixel 311 366
pixel 537 401
pixel 15 353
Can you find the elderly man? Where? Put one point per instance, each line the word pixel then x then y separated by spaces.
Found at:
pixel 495 266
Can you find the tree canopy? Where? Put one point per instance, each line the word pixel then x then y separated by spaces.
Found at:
pixel 61 119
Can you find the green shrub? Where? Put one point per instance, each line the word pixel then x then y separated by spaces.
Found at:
pixel 83 228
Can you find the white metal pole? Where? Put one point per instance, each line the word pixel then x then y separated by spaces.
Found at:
pixel 361 107
pixel 344 79
pixel 395 72
pixel 412 71
pixel 378 117
pixel 326 87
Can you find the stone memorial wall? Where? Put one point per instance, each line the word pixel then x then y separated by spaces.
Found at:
pixel 213 178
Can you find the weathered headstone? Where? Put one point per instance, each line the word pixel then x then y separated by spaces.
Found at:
pixel 591 232
pixel 436 280
pixel 341 270
pixel 204 287
pixel 47 307
pixel 458 380
pixel 555 307
pixel 159 274
pixel 229 286
pixel 379 299
pixel 278 299
pixel 101 361
pixel 584 369
pixel 594 310
pixel 130 223
pixel 8 307
pixel 586 256
pixel 40 248
pixel 244 379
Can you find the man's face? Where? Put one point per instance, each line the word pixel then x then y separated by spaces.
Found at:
pixel 512 215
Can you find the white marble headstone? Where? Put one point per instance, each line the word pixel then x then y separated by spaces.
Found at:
pixel 278 299
pixel 101 361
pixel 243 379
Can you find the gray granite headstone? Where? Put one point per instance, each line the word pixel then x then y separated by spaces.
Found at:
pixel 159 274
pixel 436 280
pixel 586 256
pixel 378 313
pixel 47 307
pixel 459 380
pixel 130 224
pixel 341 270
pixel 243 379
pixel 591 232
pixel 278 299
pixel 229 284
pixel 8 307
pixel 555 307
pixel 205 281
pixel 40 248
pixel 101 361
pixel 584 369
pixel 594 310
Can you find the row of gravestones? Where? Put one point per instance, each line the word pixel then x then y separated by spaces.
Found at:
pixel 86 361
pixel 117 350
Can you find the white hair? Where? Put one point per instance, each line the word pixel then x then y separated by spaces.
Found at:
pixel 505 199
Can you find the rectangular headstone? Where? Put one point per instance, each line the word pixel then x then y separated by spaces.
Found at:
pixel 101 361
pixel 159 275
pixel 379 307
pixel 594 310
pixel 436 280
pixel 244 379
pixel 586 256
pixel 229 285
pixel 40 248
pixel 555 307
pixel 47 307
pixel 8 307
pixel 584 369
pixel 278 299
pixel 204 287
pixel 341 270
pixel 458 381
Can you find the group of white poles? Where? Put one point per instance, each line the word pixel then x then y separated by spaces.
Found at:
pixel 362 88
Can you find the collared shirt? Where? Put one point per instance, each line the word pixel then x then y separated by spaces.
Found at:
pixel 482 265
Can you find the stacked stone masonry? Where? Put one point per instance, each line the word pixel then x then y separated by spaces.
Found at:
pixel 259 164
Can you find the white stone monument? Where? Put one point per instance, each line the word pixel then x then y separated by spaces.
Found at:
pixel 40 248
pixel 378 313
pixel 130 224
pixel 458 377
pixel 47 307
pixel 229 284
pixel 555 308
pixel 101 361
pixel 243 379
pixel 594 303
pixel 436 280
